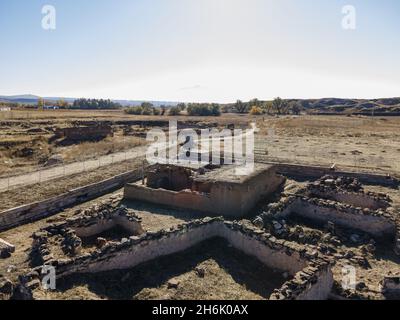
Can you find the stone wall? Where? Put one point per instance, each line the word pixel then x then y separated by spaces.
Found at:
pixel 35 211
pixel 5 248
pixel 378 224
pixel 68 235
pixel 391 287
pixel 312 172
pixel 312 278
pixel 90 133
pixel 347 190
pixel 169 177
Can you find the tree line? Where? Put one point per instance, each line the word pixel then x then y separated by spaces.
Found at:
pixel 192 109
pixel 277 106
pixel 93 104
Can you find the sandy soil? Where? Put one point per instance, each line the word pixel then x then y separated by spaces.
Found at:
pixel 363 144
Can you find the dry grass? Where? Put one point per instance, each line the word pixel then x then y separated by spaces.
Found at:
pixel 92 150
pixel 356 143
pixel 41 191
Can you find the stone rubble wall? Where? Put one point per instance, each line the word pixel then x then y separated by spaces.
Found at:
pixel 376 223
pixel 309 172
pixel 35 211
pixel 397 243
pixel 363 200
pixel 312 275
pixel 86 223
pixel 104 216
pixel 347 190
pixel 94 132
pixel 390 287
pixel 6 248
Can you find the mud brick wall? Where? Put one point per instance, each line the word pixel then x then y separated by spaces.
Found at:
pixel 228 199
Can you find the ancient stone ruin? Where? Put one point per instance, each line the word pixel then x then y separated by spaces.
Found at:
pixel 310 274
pixel 214 190
pixel 85 231
pixel 338 202
pixel 83 133
pixel 303 237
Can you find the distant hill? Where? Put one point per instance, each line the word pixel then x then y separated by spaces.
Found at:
pixel 325 105
pixel 32 99
pixel 334 105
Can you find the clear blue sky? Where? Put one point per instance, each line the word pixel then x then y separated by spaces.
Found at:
pixel 200 50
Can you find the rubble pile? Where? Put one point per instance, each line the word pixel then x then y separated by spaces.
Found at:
pixel 6 249
pixel 329 187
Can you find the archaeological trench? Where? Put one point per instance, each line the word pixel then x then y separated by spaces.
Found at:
pixel 299 227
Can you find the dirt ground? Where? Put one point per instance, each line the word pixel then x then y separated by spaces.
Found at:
pixel 45 190
pixel 355 143
pixel 228 275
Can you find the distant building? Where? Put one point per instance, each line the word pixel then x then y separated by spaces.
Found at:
pixel 5 109
pixel 51 107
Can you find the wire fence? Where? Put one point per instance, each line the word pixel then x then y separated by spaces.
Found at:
pixel 326 155
pixel 58 171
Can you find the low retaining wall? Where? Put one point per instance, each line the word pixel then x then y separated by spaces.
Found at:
pixel 35 211
pixel 317 172
pixel 362 200
pixel 102 217
pixel 375 223
pixel 350 217
pixel 312 275
pixel 347 190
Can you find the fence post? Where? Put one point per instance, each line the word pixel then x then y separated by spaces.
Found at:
pixel 143 173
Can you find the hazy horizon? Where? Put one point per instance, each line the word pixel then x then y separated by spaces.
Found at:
pixel 200 51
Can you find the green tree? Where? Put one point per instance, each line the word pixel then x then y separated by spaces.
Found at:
pixel 41 103
pixel 174 111
pixel 240 107
pixel 279 105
